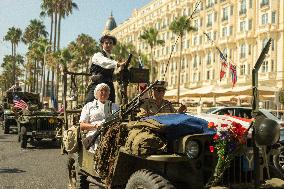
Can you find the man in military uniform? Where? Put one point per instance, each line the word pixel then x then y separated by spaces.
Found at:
pixel 102 68
pixel 158 104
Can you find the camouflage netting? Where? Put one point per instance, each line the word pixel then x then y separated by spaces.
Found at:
pixel 107 151
pixel 141 140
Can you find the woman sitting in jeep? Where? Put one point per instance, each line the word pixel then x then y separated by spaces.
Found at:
pixel 94 113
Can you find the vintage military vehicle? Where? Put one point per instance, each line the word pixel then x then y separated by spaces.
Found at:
pixel 171 151
pixel 163 151
pixel 36 123
pixel 9 116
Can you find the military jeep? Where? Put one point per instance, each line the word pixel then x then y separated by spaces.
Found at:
pixel 37 123
pixel 9 116
pixel 152 153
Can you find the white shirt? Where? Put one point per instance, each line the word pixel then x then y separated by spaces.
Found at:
pixel 105 62
pixel 94 113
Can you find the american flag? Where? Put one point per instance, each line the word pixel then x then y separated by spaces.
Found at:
pixel 223 65
pixel 19 103
pixel 233 71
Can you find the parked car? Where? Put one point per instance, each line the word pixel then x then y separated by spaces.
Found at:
pixel 246 112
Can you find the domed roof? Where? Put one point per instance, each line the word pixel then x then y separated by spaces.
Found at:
pixel 110 24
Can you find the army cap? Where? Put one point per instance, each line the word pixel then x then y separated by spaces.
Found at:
pixel 160 84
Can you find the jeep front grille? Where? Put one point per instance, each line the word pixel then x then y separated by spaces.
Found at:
pixel 43 124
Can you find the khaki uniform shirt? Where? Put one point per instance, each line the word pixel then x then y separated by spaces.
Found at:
pixel 150 107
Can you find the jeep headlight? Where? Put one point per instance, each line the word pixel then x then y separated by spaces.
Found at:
pixel 192 149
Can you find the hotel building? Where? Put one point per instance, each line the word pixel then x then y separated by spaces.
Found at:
pixel 239 28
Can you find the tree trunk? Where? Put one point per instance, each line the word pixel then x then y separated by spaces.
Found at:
pixel 47 83
pixel 34 76
pixel 53 92
pixel 151 69
pixel 57 66
pixel 179 65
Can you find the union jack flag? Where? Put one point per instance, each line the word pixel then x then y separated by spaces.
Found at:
pixel 233 71
pixel 224 65
pixel 19 103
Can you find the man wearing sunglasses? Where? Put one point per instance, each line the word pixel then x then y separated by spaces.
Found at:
pixel 158 104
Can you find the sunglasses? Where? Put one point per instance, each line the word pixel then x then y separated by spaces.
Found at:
pixel 159 89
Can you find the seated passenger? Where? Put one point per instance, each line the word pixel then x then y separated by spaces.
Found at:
pixel 94 113
pixel 157 104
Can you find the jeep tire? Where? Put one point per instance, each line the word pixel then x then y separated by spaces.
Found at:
pixel 23 137
pixel 6 127
pixel 278 160
pixel 145 179
pixel 77 180
pixel 23 140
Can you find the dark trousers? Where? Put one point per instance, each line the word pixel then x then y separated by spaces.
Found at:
pixel 90 93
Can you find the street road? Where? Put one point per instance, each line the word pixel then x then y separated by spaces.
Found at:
pixel 37 167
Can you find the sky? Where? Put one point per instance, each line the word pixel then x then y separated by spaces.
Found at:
pixel 89 19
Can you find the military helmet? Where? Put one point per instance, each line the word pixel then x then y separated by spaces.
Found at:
pixel 161 84
pixel 267 132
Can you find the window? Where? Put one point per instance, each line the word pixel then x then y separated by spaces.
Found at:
pixel 264 67
pixel 194 78
pixel 250 4
pixel 224 32
pixel 243 9
pixel 243 51
pixel 195 62
pixel 215 35
pixel 231 30
pixel 208 75
pixel 242 26
pixel 215 16
pixel 272 66
pixel 264 3
pixel 272 44
pixel 264 19
pixel 249 51
pixel 208 58
pixel 209 20
pixel 264 41
pixel 242 69
pixel 273 17
pixel 225 13
pixel 250 24
pixel 232 10
pixel 195 41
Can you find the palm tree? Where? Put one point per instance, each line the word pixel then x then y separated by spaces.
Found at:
pixel 33 31
pixel 65 8
pixel 13 35
pixel 150 36
pixel 179 26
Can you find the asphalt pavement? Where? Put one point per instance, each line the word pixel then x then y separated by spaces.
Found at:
pixel 37 167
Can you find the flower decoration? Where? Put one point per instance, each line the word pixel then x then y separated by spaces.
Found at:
pixel 229 138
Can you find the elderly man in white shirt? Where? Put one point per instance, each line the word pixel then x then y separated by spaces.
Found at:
pixel 94 113
pixel 102 67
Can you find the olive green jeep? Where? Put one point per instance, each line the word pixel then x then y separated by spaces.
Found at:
pixel 9 113
pixel 152 154
pixel 36 123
